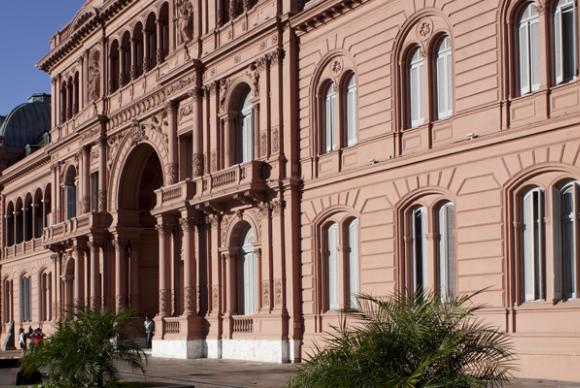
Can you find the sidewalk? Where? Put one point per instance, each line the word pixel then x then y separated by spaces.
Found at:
pixel 204 373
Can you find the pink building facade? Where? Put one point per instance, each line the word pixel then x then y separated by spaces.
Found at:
pixel 239 170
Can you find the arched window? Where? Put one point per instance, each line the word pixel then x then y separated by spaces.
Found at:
pixel 151 42
pixel 329 119
pixel 47 205
pixel 418 251
pixel 350 109
pixel 164 31
pixel 25 307
pixel 70 187
pixel 114 67
pixel 19 218
pixel 76 104
pixel 70 96
pixel 8 293
pixel 332 266
pixel 138 50
pixel 532 244
pixel 27 217
pixel 245 136
pixel 565 46
pixel 10 224
pixel 446 251
pixel 352 243
pixel 38 211
pixel 568 206
pixel 126 59
pixel 529 49
pixel 415 71
pixel 45 296
pixel 247 275
pixel 63 101
pixel 443 74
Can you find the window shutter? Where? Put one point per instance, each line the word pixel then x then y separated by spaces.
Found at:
pixel 424 255
pixel 535 54
pixel 558 45
pixel 528 246
pixel 332 239
pixel 351 111
pixel 353 262
pixel 524 59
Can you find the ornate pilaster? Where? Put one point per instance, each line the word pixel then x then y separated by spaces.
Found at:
pixel 164 231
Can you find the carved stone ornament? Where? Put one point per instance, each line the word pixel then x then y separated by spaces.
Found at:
pixel 94 77
pixel 137 133
pixel 224 85
pixel 275 140
pixel 215 298
pixel 278 292
pixel 425 29
pixel 185 21
pixel 197 164
pixel 266 293
pixel 185 111
pixel 213 161
pixel 336 66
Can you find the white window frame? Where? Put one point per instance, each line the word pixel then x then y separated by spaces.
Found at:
pixel 528 36
pixel 332 266
pixel 353 263
pixel 351 110
pixel 329 115
pixel 532 243
pixel 443 83
pixel 562 7
pixel 415 74
pixel 419 254
pixel 446 252
pixel 246 130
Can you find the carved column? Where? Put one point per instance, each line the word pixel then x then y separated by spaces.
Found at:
pixel 102 201
pixel 120 274
pixel 164 231
pixel 24 223
pixel 197 138
pixel 86 158
pixel 78 256
pixel 95 248
pixel 34 207
pixel 172 107
pixel 189 266
pixel 230 279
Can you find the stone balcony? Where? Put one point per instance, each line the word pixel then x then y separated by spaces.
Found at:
pixel 236 183
pixel 81 225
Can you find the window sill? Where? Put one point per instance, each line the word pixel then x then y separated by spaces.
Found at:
pixel 544 305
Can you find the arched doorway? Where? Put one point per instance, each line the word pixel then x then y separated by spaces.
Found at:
pixel 142 175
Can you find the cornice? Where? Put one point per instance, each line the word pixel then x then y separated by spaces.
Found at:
pixel 76 38
pixel 23 168
pixel 321 12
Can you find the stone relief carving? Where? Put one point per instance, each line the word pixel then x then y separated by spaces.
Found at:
pixel 275 140
pixel 94 77
pixel 278 292
pixel 266 293
pixel 425 29
pixel 185 21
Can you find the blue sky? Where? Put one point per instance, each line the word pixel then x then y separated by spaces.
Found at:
pixel 25 30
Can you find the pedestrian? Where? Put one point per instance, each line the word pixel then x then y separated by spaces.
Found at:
pixel 149 331
pixel 22 339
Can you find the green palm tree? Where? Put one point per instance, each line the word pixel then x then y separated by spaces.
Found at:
pixel 410 342
pixel 84 350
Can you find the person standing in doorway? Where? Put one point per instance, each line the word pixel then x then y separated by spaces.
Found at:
pixel 149 330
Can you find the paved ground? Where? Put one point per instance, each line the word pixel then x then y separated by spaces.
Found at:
pixel 206 373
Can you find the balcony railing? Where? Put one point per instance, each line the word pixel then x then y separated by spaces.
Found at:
pixel 171 325
pixel 74 227
pixel 242 324
pixel 247 177
pixel 23 248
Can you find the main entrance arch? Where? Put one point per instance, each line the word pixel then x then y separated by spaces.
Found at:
pixel 137 238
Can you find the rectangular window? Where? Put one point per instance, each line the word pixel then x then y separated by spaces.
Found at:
pixel 95 192
pixel 443 74
pixel 524 59
pixel 533 249
pixel 330 120
pixel 25 310
pixel 568 230
pixel 71 201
